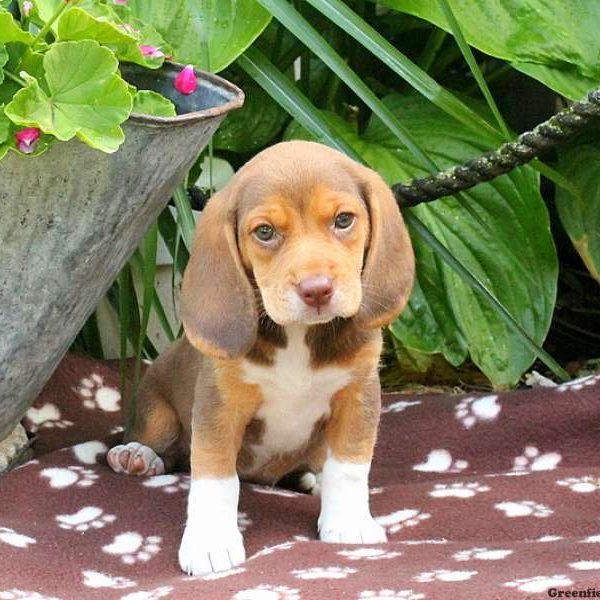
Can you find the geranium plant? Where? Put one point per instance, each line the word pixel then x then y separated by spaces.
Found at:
pixel 60 76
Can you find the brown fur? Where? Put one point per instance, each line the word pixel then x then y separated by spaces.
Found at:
pixel 235 304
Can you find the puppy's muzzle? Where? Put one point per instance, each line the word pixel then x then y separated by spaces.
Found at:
pixel 316 291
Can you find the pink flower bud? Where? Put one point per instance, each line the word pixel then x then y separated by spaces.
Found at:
pixel 27 8
pixel 151 51
pixel 27 139
pixel 120 1
pixel 186 81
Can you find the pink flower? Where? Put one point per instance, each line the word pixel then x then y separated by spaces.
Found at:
pixel 120 1
pixel 27 139
pixel 151 51
pixel 27 8
pixel 186 81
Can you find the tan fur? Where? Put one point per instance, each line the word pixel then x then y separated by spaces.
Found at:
pixel 236 303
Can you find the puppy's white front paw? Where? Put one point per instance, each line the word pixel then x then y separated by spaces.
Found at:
pixel 204 550
pixel 343 529
pixel 135 459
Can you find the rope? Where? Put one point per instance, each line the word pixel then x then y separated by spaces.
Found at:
pixel 527 146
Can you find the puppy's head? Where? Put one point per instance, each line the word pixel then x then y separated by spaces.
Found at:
pixel 304 233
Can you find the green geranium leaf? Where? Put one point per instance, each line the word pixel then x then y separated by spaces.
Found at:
pixel 3 60
pixel 554 41
pixel 10 30
pixel 500 232
pixel 77 24
pixel 209 34
pixel 82 95
pixel 580 213
pixel 4 125
pixel 47 8
pixel 150 103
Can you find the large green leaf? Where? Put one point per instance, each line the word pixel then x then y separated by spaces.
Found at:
pixel 77 24
pixel 253 126
pixel 209 33
pixel 500 231
pixel 555 41
pixel 580 213
pixel 3 60
pixel 82 95
pixel 10 30
pixel 150 103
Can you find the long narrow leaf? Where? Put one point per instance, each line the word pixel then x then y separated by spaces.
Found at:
pixel 372 40
pixel 420 229
pixel 473 66
pixel 289 97
pixel 185 218
pixel 301 28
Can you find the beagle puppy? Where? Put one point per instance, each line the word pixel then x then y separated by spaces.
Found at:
pixel 296 265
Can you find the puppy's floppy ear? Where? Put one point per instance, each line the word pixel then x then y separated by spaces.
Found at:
pixel 389 268
pixel 217 303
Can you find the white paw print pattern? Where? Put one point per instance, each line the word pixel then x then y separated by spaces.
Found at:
pixel 581 485
pixel 524 508
pixel 264 489
pixel 390 595
pixel 482 554
pixel 458 490
pixel 441 461
pixel 401 519
pixel 16 594
pixel 46 417
pixel 133 547
pixel 399 406
pixel 369 553
pixel 88 452
pixel 470 411
pixel 270 549
pixel 533 460
pixel 540 583
pixel 154 594
pixel 585 565
pixel 170 484
pixel 62 477
pixel 578 384
pixel 116 429
pixel 95 579
pixel 444 575
pixel 12 538
pixel 546 539
pixel 268 592
pixel 89 517
pixel 243 521
pixel 323 573
pixel 97 395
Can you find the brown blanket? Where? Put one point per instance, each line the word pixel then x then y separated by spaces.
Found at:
pixel 494 496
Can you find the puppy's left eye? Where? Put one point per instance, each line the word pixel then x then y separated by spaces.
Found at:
pixel 344 220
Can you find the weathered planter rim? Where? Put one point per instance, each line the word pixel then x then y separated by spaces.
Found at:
pixel 185 118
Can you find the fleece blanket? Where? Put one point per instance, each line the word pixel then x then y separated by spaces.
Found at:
pixel 487 496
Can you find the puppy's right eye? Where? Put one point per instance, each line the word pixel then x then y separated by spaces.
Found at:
pixel 264 233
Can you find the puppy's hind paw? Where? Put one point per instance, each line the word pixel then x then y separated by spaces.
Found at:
pixel 135 459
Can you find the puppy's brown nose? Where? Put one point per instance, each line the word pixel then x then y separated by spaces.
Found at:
pixel 315 291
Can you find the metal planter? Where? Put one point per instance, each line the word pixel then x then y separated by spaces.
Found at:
pixel 70 219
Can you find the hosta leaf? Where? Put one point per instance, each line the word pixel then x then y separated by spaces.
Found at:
pixel 150 103
pixel 82 96
pixel 580 214
pixel 77 24
pixel 500 232
pixel 10 30
pixel 210 34
pixel 253 126
pixel 554 41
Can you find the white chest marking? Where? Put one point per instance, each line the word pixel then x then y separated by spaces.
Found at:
pixel 295 395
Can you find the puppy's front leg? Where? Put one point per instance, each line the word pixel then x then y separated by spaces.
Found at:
pixel 350 433
pixel 212 541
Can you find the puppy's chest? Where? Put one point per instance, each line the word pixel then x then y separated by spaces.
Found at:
pixel 296 396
